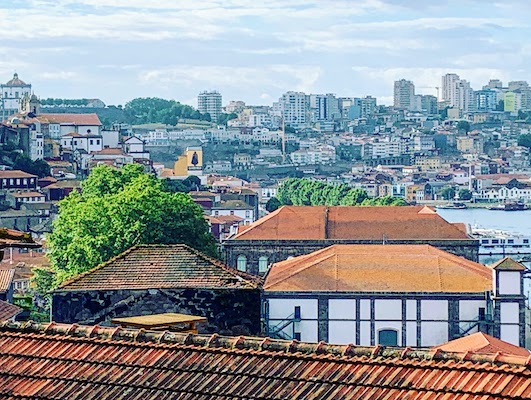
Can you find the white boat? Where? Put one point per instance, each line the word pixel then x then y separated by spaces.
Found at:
pixel 498 242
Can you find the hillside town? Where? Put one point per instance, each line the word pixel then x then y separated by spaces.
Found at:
pixel 227 240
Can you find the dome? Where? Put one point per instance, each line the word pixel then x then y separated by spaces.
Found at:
pixel 16 81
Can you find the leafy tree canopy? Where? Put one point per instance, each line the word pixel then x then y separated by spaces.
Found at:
pixel 448 193
pixel 116 210
pixel 525 140
pixel 465 194
pixel 272 204
pixel 156 110
pixel 301 191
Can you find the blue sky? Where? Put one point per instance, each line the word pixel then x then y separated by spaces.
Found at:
pixel 254 51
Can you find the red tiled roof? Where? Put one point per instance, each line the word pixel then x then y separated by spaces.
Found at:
pixel 8 311
pixel 159 267
pixel 28 194
pixel 6 278
pixel 379 268
pixel 481 343
pixel 74 119
pixel 352 223
pixel 58 361
pixel 15 173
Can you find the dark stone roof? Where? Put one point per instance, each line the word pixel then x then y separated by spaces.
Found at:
pixel 161 267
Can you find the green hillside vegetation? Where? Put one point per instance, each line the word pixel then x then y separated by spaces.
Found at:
pixel 306 192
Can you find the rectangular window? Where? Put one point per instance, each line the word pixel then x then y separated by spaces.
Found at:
pixel 510 241
pixel 526 241
pixel 297 313
pixel 91 142
pixel 297 336
pixel 25 181
pixel 495 241
pixel 18 181
pixel 484 241
pixel 98 141
pixel 75 142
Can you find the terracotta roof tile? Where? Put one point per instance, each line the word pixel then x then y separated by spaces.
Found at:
pixel 6 279
pixel 28 194
pixel 8 311
pixel 354 223
pixel 481 343
pixel 159 267
pixel 379 268
pixel 85 362
pixel 15 173
pixel 74 119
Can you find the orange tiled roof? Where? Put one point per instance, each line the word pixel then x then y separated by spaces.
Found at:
pixel 161 267
pixel 15 173
pixel 28 194
pixel 354 223
pixel 481 343
pixel 6 278
pixel 379 268
pixel 74 119
pixel 8 310
pixel 86 362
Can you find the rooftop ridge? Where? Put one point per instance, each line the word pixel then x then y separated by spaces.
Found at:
pixel 264 346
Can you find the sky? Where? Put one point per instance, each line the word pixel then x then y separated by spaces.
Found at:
pixel 255 51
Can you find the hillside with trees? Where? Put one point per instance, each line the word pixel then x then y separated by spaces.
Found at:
pixel 306 192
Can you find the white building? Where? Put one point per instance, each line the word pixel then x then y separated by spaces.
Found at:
pixel 88 143
pixel 395 295
pixel 11 94
pixel 403 94
pixel 448 88
pixel 322 154
pixel 210 102
pixel 295 108
pixel 235 207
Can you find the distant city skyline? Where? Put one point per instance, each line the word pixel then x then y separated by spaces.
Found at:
pixel 117 50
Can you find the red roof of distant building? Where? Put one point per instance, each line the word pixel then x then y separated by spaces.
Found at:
pixel 74 119
pixel 8 311
pixel 352 223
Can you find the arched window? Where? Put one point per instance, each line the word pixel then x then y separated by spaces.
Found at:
pixel 262 265
pixel 388 337
pixel 241 263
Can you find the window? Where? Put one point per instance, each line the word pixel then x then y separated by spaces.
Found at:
pixel 510 241
pixel 232 213
pixel 526 241
pixel 262 264
pixel 18 181
pixel 216 213
pixel 484 241
pixel 97 141
pixel 495 241
pixel 91 142
pixel 247 214
pixel 241 263
pixel 75 142
pixel 297 313
pixel 297 336
pixel 25 181
pixel 388 337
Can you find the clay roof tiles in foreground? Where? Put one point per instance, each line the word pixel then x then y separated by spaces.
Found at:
pixel 352 223
pixel 74 119
pixel 379 268
pixel 161 267
pixel 8 311
pixel 58 361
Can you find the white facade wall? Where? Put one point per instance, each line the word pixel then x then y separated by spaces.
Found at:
pixel 342 323
pixel 247 215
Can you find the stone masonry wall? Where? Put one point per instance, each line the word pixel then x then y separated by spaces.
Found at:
pixel 229 312
pixel 280 250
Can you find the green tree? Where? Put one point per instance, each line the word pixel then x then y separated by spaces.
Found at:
pixel 525 140
pixel 110 217
pixel 272 204
pixel 448 193
pixel 463 126
pixel 465 194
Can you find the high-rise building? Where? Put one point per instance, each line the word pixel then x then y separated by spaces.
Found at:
pixel 428 104
pixel 404 91
pixel 325 107
pixel 494 84
pixel 517 85
pixel 486 100
pixel 295 109
pixel 448 88
pixel 11 94
pixel 464 100
pixel 210 102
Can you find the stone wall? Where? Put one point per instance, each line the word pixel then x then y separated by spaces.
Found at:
pixel 229 311
pixel 280 250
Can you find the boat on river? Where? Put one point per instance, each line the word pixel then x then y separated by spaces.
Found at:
pixel 509 207
pixel 454 205
pixel 499 242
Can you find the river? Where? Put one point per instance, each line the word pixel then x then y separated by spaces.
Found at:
pixel 511 221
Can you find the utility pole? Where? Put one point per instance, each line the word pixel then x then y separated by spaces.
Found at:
pixel 283 142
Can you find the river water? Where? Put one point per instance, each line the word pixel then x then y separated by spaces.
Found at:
pixel 511 221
